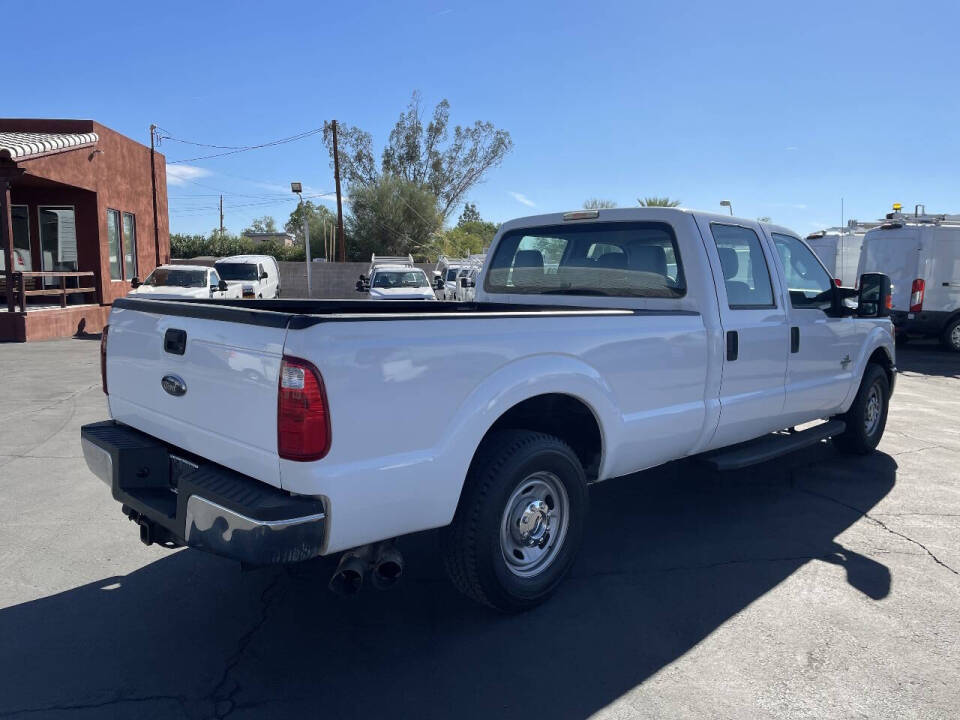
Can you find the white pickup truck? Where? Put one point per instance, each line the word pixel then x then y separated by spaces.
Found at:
pixel 601 343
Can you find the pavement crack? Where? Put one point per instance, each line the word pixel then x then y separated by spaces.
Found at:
pixel 881 524
pixel 223 702
pixel 116 700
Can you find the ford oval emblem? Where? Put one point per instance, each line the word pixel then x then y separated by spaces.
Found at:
pixel 174 385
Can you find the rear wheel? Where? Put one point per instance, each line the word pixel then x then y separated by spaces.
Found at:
pixel 520 520
pixel 867 417
pixel 950 338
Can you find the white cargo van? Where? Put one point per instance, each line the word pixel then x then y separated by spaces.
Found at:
pixel 257 275
pixel 839 249
pixel 921 254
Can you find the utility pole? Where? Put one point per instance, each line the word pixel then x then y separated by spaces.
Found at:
pixel 336 177
pixel 221 216
pixel 153 186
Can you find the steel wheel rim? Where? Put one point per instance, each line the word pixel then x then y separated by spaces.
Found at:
pixel 534 524
pixel 955 337
pixel 874 408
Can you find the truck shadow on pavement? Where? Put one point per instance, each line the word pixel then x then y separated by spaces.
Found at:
pixel 928 357
pixel 670 555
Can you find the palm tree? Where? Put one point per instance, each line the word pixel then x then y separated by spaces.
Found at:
pixel 654 201
pixel 598 204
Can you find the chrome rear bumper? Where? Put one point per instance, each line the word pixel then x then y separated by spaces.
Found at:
pixel 199 504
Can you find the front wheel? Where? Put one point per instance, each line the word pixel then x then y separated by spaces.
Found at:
pixel 950 338
pixel 867 417
pixel 519 523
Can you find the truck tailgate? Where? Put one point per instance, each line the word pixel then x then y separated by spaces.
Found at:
pixel 227 372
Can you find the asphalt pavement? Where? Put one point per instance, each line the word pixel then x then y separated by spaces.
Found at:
pixel 817 586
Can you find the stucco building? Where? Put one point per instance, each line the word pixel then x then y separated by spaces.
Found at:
pixel 83 210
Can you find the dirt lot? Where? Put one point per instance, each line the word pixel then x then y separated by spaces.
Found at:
pixel 821 586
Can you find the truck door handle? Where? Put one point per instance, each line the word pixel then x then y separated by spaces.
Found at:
pixel 733 345
pixel 794 339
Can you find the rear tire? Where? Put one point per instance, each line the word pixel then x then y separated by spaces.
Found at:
pixel 950 337
pixel 867 417
pixel 519 523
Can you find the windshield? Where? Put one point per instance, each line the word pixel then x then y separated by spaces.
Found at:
pixel 237 271
pixel 177 278
pixel 452 274
pixel 400 279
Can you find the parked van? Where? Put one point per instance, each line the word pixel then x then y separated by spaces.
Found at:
pixel 257 275
pixel 921 254
pixel 839 249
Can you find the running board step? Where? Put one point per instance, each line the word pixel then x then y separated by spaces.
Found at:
pixel 771 446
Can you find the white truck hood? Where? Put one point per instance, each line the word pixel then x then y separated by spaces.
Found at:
pixel 402 294
pixel 170 291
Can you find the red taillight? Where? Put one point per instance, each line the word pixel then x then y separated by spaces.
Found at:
pixel 303 423
pixel 103 358
pixel 916 295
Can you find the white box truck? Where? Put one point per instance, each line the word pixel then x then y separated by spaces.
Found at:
pixel 839 249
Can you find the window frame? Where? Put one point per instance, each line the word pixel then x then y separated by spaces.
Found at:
pixel 668 228
pixel 123 248
pixel 786 279
pixel 119 228
pixel 766 260
pixel 40 209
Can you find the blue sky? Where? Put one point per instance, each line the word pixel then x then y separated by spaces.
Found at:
pixel 782 108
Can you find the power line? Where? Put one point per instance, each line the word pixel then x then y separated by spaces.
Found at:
pixel 234 149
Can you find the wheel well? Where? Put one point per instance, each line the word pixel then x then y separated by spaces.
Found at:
pixel 562 416
pixel 881 358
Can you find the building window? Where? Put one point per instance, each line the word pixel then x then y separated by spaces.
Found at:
pixel 58 239
pixel 129 246
pixel 21 240
pixel 113 243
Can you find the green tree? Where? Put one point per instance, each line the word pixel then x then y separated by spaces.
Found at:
pixel 320 219
pixel 654 201
pixel 470 214
pixel 598 204
pixel 392 216
pixel 424 155
pixel 265 224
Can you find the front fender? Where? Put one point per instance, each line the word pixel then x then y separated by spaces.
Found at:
pixel 879 337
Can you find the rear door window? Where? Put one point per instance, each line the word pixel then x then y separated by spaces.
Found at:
pixel 746 276
pixel 637 259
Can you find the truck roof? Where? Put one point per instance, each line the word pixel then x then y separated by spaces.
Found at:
pixel 183 267
pixel 245 259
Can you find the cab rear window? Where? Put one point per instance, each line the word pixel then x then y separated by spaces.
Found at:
pixel 638 259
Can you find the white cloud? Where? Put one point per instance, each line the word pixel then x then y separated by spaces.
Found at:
pixel 792 148
pixel 182 174
pixel 521 198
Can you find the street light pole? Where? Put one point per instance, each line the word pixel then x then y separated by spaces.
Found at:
pixel 298 189
pixel 727 204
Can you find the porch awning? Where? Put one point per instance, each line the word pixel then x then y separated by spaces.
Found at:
pixel 17 146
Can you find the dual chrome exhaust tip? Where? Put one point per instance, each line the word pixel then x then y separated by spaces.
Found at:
pixel 381 563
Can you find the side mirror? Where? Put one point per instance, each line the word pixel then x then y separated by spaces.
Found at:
pixel 876 297
pixel 263 275
pixel 362 277
pixel 463 282
pixel 135 283
pixel 360 285
pixel 222 286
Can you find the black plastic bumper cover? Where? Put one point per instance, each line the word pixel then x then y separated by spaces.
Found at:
pixel 202 504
